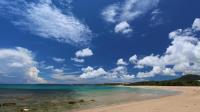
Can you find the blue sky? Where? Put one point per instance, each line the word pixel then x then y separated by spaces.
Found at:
pixel 84 41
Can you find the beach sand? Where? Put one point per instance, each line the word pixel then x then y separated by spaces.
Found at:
pixel 188 100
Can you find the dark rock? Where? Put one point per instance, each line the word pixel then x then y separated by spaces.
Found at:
pixel 8 104
pixel 81 101
pixel 72 102
pixel 92 100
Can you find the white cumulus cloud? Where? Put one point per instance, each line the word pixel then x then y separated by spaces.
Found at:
pixel 123 27
pixel 120 73
pixel 80 54
pixel 196 24
pixel 90 72
pixel 87 52
pixel 121 62
pixel 18 66
pixel 133 59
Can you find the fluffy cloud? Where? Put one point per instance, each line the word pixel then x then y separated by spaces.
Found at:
pixel 196 24
pixel 18 66
pixel 119 73
pixel 157 70
pixel 59 60
pixel 133 59
pixel 78 60
pixel 121 62
pixel 80 54
pixel 150 61
pixel 92 75
pixel 182 56
pixel 123 27
pixel 84 53
pixel 127 10
pixel 90 72
pixel 44 19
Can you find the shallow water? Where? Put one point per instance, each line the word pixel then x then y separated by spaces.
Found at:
pixel 58 98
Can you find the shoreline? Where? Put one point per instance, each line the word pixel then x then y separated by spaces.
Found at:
pixel 188 100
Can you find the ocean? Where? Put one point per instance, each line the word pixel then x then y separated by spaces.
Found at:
pixel 67 98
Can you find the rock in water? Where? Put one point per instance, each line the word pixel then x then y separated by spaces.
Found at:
pixel 81 101
pixel 72 102
pixel 8 104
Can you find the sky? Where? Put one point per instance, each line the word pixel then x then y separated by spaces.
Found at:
pixel 98 41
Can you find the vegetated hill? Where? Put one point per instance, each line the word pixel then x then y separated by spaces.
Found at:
pixel 190 77
pixel 186 80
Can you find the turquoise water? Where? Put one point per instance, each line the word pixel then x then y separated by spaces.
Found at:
pixel 58 98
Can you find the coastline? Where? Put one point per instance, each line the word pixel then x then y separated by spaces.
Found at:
pixel 188 100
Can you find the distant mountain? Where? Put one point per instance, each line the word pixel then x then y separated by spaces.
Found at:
pixel 186 80
pixel 190 77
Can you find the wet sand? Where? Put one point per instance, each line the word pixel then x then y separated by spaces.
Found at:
pixel 188 100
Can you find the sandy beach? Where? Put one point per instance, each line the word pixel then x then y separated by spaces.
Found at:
pixel 187 101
